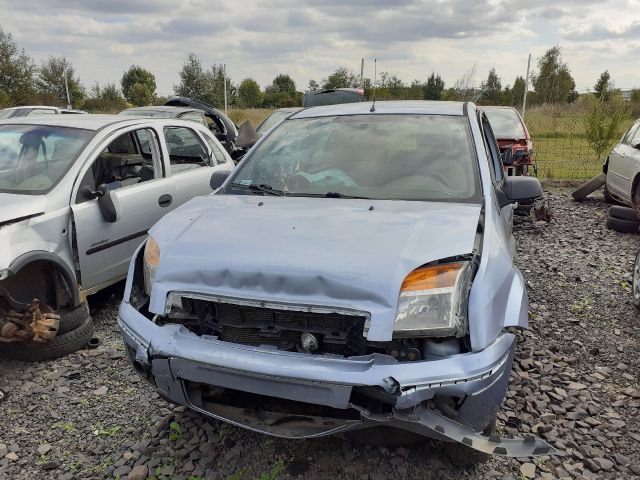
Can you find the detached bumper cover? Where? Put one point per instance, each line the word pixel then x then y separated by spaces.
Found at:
pixel 174 359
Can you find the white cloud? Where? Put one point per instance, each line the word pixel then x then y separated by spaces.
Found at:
pixel 309 39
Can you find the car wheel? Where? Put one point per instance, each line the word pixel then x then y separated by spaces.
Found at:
pixel 621 225
pixel 624 213
pixel 60 346
pixel 636 282
pixel 73 318
pixel 465 457
pixel 591 186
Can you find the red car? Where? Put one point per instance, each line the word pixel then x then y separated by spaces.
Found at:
pixel 514 140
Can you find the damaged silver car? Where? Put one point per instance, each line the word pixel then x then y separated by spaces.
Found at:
pixel 354 273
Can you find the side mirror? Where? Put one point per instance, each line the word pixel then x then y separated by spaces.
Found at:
pixel 519 189
pixel 218 178
pixel 90 194
pixel 110 206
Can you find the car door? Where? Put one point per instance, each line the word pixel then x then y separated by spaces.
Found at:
pixel 129 167
pixel 192 155
pixel 497 177
pixel 620 167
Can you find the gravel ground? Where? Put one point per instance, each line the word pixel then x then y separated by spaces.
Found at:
pixel 575 383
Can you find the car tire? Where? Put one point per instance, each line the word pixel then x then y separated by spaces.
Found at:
pixel 60 346
pixel 622 225
pixel 465 457
pixel 73 318
pixel 589 187
pixel 636 282
pixel 623 213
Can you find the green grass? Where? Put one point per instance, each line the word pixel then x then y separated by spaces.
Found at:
pixel 254 115
pixel 560 147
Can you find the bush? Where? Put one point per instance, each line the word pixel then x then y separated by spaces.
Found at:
pixel 603 122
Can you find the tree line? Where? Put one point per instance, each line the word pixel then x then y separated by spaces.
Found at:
pixel 23 82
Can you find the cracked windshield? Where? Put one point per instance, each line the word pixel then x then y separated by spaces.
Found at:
pixel 402 157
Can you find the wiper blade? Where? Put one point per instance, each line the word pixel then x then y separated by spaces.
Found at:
pixel 262 188
pixel 327 195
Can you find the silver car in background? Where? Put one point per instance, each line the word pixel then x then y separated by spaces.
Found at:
pixel 354 272
pixel 622 168
pixel 77 196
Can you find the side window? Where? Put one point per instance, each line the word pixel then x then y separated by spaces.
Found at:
pixel 217 153
pixel 186 150
pixel 632 134
pixel 636 137
pixel 130 158
pixel 491 145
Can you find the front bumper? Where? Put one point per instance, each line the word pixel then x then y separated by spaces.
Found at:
pixel 178 362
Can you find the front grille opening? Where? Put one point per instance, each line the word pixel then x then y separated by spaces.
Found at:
pixel 294 331
pixel 202 394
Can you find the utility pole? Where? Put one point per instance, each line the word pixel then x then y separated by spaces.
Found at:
pixel 362 73
pixel 224 74
pixel 66 87
pixel 526 87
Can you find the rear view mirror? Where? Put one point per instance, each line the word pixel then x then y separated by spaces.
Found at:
pixel 109 205
pixel 519 189
pixel 636 145
pixel 218 178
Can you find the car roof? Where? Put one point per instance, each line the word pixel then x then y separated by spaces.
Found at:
pixel 408 107
pixel 497 107
pixel 162 108
pixel 86 122
pixel 31 106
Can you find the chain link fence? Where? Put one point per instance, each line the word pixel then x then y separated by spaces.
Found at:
pixel 560 145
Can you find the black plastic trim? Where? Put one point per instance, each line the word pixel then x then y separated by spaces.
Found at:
pixel 104 246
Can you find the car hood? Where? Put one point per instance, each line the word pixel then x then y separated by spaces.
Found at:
pixel 341 253
pixel 16 207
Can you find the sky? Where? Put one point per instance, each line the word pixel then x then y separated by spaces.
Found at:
pixel 310 39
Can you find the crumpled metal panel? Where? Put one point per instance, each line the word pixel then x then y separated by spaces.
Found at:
pixel 348 254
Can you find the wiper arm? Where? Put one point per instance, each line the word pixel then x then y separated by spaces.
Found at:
pixel 328 195
pixel 262 188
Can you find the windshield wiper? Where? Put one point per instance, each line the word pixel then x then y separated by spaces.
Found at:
pixel 262 188
pixel 327 195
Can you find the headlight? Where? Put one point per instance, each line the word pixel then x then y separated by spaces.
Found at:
pixel 151 262
pixel 432 301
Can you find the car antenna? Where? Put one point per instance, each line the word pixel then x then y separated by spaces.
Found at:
pixel 375 79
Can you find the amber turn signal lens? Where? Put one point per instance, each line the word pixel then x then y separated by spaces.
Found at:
pixel 429 278
pixel 151 253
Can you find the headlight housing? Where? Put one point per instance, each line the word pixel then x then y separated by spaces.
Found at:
pixel 433 300
pixel 150 263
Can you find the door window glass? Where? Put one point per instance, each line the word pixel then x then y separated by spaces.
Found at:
pixel 217 153
pixel 129 159
pixel 631 133
pixel 491 145
pixel 186 150
pixel 636 137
